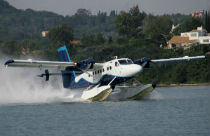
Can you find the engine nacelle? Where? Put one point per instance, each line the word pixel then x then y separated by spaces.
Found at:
pixel 145 62
pixel 85 64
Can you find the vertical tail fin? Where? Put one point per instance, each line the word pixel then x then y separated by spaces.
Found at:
pixel 63 54
pixel 67 76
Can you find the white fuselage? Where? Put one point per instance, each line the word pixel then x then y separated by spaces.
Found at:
pixel 123 68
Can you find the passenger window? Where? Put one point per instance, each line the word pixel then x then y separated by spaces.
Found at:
pixel 103 70
pixel 110 67
pixel 107 68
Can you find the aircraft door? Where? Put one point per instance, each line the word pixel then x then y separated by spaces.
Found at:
pixel 94 75
pixel 117 68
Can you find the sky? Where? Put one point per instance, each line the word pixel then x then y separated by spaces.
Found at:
pixel 157 7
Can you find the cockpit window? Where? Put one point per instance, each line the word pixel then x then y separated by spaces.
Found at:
pixel 125 61
pixel 130 61
pixel 122 61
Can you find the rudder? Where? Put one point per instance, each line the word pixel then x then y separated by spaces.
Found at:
pixel 63 54
pixel 67 76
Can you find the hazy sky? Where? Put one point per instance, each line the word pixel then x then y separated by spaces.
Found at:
pixel 69 7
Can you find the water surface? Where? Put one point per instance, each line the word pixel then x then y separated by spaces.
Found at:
pixel 168 111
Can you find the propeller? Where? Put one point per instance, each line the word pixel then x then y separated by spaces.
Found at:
pixel 144 62
pixel 45 74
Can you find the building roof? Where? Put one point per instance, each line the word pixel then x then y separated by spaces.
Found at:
pixel 180 39
pixel 197 14
pixel 75 42
pixel 195 30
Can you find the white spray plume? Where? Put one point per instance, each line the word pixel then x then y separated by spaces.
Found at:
pixel 155 95
pixel 21 85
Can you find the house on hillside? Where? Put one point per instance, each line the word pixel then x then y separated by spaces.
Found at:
pixel 188 39
pixel 74 42
pixel 44 33
pixel 198 14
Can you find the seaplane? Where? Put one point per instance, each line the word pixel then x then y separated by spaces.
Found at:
pixel 99 81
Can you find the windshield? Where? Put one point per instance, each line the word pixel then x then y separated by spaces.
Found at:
pixel 130 61
pixel 125 61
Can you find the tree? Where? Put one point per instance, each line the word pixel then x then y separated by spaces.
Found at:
pixel 100 39
pixel 188 25
pixel 207 21
pixel 81 17
pixel 83 12
pixel 61 34
pixel 27 46
pixel 129 24
pixel 180 74
pixel 157 28
pixel 110 40
pixel 88 40
pixel 10 47
pixel 101 17
pixel 112 13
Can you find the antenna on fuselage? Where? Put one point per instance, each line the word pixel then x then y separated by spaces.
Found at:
pixel 115 57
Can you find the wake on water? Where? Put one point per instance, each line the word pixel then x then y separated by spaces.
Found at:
pixel 155 95
pixel 22 86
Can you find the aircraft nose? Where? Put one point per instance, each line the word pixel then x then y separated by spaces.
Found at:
pixel 130 70
pixel 135 69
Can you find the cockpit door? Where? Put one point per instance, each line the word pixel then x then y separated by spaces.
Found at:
pixel 117 68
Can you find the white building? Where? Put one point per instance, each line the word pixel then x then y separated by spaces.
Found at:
pixel 187 39
pixel 44 33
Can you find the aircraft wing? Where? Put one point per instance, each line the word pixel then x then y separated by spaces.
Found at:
pixel 185 58
pixel 39 64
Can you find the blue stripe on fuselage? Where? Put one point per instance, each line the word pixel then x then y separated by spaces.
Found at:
pixel 104 80
pixel 69 76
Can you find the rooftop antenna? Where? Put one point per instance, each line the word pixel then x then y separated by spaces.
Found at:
pixel 115 57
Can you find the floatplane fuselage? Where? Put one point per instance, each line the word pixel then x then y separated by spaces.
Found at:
pixel 98 80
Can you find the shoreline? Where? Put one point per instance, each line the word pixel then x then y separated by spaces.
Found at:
pixel 194 84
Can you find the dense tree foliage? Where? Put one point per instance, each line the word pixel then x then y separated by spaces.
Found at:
pixel 138 35
pixel 207 20
pixel 61 34
pixel 28 24
pixel 157 28
pixel 178 18
pixel 92 39
pixel 130 23
pixel 188 25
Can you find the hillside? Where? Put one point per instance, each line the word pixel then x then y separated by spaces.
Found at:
pixel 19 24
pixel 24 24
pixel 131 34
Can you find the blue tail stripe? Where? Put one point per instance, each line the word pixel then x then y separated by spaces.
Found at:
pixel 67 76
pixel 63 54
